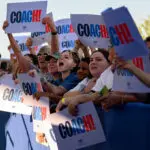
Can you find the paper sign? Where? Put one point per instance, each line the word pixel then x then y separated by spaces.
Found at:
pixel 66 34
pixel 40 115
pixel 50 137
pixel 91 30
pixel 12 97
pixel 77 132
pixel 21 40
pixel 124 34
pixel 31 85
pixel 39 38
pixel 26 16
pixel 125 81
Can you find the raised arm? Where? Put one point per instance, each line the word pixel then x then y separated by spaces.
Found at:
pixel 29 44
pixel 79 45
pixel 54 43
pixel 23 63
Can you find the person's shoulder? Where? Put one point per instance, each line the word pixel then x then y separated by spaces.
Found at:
pixel 74 76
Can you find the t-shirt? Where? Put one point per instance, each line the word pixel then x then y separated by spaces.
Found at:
pixel 69 82
pixel 105 79
pixel 81 85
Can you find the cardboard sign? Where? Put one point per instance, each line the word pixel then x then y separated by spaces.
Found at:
pixel 12 97
pixel 66 34
pixel 124 34
pixel 26 16
pixel 40 115
pixel 31 85
pixel 125 81
pixel 77 132
pixel 39 38
pixel 50 137
pixel 91 30
pixel 21 40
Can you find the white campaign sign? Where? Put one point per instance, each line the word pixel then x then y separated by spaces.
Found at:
pixel 124 34
pixel 66 34
pixel 50 137
pixel 31 85
pixel 91 30
pixel 21 40
pixel 77 132
pixel 125 81
pixel 38 38
pixel 40 115
pixel 12 97
pixel 26 16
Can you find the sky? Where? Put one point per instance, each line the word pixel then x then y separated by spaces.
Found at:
pixel 139 9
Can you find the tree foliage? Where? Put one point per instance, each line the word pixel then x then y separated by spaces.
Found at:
pixel 144 28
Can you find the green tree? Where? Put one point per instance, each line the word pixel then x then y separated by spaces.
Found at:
pixel 144 28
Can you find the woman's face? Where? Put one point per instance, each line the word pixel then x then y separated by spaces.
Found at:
pixel 65 63
pixel 83 70
pixel 52 66
pixel 41 59
pixel 98 64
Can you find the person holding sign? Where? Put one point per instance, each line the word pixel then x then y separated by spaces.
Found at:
pixel 45 51
pixel 141 75
pixel 67 65
pixel 100 71
pixel 54 43
pixel 115 98
pixel 24 63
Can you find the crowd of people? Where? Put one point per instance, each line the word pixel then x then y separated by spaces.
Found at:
pixel 76 76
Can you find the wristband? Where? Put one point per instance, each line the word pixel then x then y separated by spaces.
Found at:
pixel 63 100
pixel 104 91
pixel 54 33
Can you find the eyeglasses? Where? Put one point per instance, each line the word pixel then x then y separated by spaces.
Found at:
pixel 44 54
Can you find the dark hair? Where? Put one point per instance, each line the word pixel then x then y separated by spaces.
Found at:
pixel 75 57
pixel 104 52
pixel 147 39
pixel 4 65
pixel 33 58
pixel 86 59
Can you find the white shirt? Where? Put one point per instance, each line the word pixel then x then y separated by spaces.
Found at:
pixel 105 79
pixel 81 85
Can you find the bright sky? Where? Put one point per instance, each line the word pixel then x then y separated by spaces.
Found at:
pixel 139 9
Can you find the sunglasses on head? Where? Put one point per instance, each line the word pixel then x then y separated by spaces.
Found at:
pixel 44 54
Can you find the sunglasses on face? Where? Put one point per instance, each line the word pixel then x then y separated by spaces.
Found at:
pixel 44 54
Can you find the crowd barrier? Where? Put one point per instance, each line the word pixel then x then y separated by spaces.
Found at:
pixel 126 128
